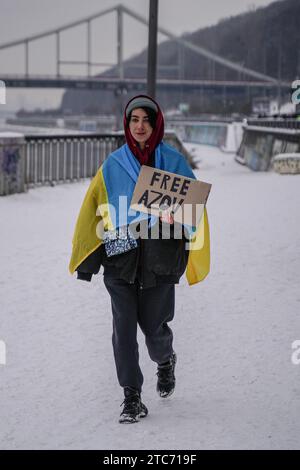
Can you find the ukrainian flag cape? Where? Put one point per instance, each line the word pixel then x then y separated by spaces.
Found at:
pixel 117 177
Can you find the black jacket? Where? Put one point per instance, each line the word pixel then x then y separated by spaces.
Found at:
pixel 152 262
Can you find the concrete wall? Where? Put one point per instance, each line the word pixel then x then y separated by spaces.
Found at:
pixel 260 145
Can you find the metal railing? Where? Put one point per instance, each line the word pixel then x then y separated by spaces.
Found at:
pixel 277 123
pixel 36 160
pixel 53 159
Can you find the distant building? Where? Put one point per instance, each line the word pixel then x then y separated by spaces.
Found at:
pixel 88 126
pixel 264 106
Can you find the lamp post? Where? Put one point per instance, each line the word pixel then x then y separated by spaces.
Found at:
pixel 152 48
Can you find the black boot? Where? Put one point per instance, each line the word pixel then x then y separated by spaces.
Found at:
pixel 166 377
pixel 133 409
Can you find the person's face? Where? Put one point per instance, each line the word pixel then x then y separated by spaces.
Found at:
pixel 139 126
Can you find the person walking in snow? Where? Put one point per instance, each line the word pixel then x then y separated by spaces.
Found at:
pixel 140 273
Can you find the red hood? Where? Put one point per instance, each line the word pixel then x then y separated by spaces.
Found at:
pixel 155 138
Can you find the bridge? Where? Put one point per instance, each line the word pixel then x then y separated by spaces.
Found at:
pixel 131 84
pixel 122 83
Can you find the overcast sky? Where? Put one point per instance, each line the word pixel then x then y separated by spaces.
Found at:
pixel 22 18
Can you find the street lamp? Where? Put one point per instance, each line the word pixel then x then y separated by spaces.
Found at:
pixel 152 48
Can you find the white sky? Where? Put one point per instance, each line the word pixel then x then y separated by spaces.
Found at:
pixel 22 18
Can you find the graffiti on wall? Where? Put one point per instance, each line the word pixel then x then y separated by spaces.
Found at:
pixel 9 167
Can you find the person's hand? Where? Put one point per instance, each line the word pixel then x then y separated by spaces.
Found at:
pixel 167 218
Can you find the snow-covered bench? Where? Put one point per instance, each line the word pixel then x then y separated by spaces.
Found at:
pixel 287 163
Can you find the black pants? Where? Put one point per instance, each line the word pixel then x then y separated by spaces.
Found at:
pixel 151 308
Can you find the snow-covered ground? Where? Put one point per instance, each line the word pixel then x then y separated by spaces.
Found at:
pixel 236 384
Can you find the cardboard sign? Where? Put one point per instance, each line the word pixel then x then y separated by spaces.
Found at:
pixel 157 191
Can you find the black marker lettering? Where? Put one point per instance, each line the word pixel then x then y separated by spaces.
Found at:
pixel 164 181
pixel 156 199
pixel 155 177
pixel 175 184
pixel 185 187
pixel 166 198
pixel 144 198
